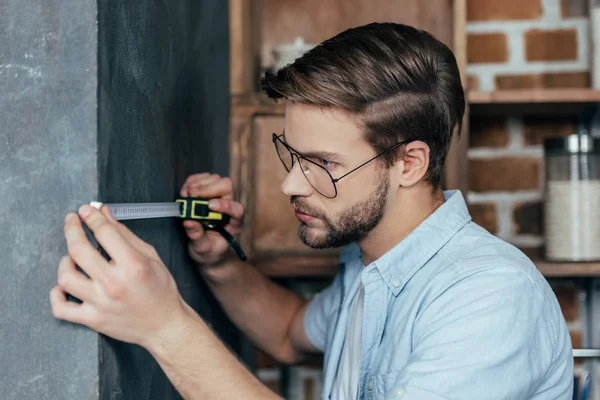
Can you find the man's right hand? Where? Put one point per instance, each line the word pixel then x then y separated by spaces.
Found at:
pixel 208 247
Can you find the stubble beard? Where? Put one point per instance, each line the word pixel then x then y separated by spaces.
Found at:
pixel 352 224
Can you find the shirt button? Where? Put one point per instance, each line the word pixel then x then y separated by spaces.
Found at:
pixel 399 392
pixel 396 282
pixel 370 384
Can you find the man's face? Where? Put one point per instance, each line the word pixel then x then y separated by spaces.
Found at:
pixel 361 196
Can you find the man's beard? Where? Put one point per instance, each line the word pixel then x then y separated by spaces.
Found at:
pixel 351 225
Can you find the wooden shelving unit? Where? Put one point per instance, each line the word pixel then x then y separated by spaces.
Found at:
pixel 279 266
pixel 569 270
pixel 538 101
pixel 327 266
pixel 534 96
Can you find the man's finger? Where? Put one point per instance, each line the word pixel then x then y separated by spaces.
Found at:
pixel 135 241
pixel 64 309
pixel 193 229
pixel 185 187
pixel 222 187
pixel 201 180
pixel 81 250
pixel 229 207
pixel 72 281
pixel 107 235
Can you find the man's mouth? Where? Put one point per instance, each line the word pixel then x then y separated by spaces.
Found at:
pixel 303 216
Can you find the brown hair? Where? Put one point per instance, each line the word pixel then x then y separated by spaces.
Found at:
pixel 401 83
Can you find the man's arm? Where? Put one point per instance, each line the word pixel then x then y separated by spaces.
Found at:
pixel 200 366
pixel 268 314
pixel 134 298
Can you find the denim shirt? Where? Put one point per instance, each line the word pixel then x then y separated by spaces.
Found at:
pixel 451 312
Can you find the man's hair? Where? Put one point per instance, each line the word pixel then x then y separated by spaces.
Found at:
pixel 401 83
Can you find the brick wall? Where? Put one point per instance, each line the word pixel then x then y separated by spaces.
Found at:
pixel 527 43
pixel 522 44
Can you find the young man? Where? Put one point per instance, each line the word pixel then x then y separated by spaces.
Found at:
pixel 427 305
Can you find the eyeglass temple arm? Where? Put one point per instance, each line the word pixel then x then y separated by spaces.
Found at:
pixel 368 161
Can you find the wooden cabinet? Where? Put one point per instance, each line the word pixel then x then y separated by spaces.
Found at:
pixel 270 237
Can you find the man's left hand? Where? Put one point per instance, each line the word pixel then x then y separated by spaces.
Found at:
pixel 132 298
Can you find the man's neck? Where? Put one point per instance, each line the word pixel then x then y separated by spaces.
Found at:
pixel 412 207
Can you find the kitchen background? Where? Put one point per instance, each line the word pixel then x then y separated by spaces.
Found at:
pixel 529 67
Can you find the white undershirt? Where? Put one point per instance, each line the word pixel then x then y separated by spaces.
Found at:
pixel 345 385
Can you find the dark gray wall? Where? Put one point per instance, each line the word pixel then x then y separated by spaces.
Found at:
pixel 47 168
pixel 109 100
pixel 163 68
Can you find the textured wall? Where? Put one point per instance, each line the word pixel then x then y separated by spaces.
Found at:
pixel 47 168
pixel 163 114
pixel 109 100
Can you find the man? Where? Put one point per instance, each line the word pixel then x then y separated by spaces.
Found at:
pixel 427 305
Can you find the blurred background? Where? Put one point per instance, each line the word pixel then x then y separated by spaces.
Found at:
pixel 527 159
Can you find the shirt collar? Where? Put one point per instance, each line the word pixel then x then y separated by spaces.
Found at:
pixel 399 264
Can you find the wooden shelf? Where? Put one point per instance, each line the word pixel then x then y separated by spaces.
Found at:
pixel 568 269
pixel 535 96
pixel 533 101
pixel 327 265
pixel 283 266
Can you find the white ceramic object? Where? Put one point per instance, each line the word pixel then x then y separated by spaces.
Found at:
pixel 288 53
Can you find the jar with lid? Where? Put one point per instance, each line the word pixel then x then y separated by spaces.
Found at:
pixel 572 198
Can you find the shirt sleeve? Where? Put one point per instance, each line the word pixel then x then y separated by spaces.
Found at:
pixel 491 335
pixel 319 311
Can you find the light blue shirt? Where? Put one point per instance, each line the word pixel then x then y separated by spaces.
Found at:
pixel 451 312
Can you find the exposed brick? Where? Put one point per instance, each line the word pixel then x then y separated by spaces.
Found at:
pixel 527 218
pixel 472 82
pixel 539 81
pixel 485 215
pixel 569 304
pixel 478 10
pixel 505 173
pixel 487 48
pixel 536 129
pixel 573 8
pixel 488 131
pixel 551 45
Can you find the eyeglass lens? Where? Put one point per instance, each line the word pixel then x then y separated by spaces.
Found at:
pixel 316 174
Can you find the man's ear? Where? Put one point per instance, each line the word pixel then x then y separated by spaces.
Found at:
pixel 413 163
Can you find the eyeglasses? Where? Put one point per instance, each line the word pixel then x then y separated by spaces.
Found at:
pixel 313 168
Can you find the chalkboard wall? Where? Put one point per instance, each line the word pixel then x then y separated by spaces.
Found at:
pixel 163 114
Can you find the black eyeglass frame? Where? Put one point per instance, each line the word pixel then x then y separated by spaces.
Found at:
pixel 333 180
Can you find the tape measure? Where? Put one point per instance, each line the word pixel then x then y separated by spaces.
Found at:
pixel 187 208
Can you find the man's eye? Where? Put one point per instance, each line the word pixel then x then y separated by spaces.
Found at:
pixel 327 163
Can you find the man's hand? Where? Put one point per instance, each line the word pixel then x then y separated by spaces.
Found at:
pixel 132 298
pixel 208 247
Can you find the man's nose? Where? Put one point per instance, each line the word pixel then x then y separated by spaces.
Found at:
pixel 295 183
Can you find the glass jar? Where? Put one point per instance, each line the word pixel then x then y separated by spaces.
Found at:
pixel 572 198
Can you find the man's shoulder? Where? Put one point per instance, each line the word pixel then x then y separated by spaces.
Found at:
pixel 474 257
pixel 474 248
